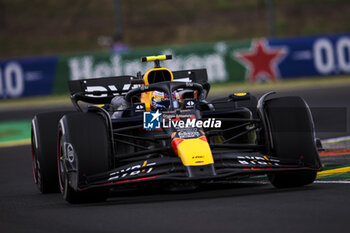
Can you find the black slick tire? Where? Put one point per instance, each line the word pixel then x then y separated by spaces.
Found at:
pixel 87 135
pixel 44 151
pixel 292 137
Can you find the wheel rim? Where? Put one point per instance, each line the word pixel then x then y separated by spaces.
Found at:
pixel 36 172
pixel 60 162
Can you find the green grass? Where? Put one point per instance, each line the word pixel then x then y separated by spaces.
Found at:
pixel 34 102
pixel 14 130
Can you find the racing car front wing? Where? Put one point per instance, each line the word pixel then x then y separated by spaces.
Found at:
pixel 227 165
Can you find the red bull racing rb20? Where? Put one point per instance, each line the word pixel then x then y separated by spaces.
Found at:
pixel 158 128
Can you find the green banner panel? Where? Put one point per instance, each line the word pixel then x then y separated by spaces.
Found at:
pixel 217 58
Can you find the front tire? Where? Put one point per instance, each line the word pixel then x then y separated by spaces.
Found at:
pixel 84 149
pixel 292 137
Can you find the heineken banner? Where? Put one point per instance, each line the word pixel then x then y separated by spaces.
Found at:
pixel 255 60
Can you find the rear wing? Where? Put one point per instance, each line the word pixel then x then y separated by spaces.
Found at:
pixel 105 88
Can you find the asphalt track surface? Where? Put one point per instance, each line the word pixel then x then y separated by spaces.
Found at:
pixel 320 207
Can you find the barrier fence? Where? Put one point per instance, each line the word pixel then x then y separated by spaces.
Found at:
pixel 234 61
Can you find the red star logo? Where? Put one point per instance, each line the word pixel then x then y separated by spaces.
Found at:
pixel 261 60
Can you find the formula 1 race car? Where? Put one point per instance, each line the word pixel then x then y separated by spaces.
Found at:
pixel 159 129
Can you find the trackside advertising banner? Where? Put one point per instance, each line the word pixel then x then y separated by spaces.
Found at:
pixel 252 61
pixel 27 77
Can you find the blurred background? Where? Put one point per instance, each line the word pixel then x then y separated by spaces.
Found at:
pixel 43 44
pixel 294 47
pixel 41 27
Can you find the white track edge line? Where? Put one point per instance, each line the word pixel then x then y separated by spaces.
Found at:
pixel 334 140
pixel 332 181
pixel 316 182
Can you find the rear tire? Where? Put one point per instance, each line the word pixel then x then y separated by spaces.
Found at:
pixel 292 134
pixel 44 151
pixel 87 134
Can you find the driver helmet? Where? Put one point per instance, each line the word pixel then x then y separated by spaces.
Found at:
pixel 154 100
pixel 161 100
